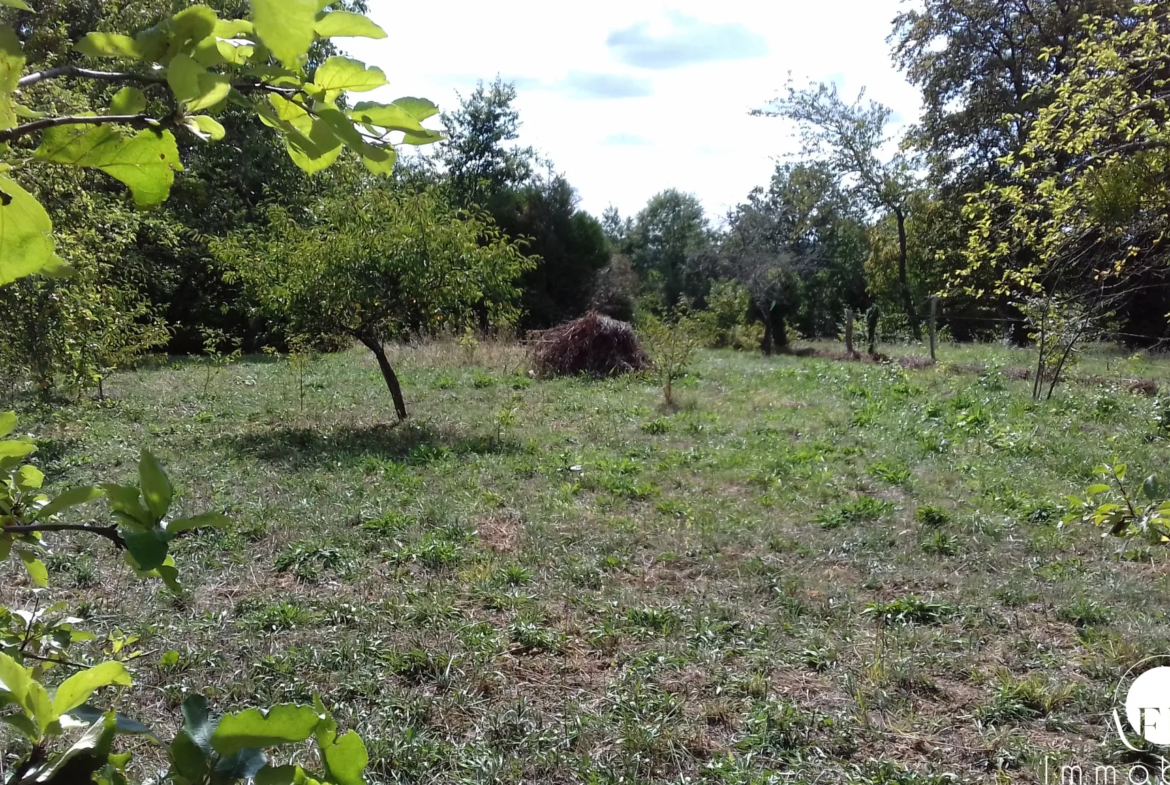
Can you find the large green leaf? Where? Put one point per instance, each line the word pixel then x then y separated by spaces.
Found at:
pixel 7 423
pixel 36 569
pixel 29 478
pixel 16 449
pixel 79 763
pixel 418 108
pixel 149 548
pixel 125 499
pixel 206 128
pixel 109 45
pixel 11 66
pixel 345 758
pixel 255 729
pixel 379 160
pixel 343 24
pixel 128 100
pixel 195 86
pixel 189 27
pixel 208 520
pixel 287 27
pixel 26 241
pixel 341 73
pixel 389 116
pixel 15 679
pixel 146 162
pixel 427 137
pixel 76 690
pixel 155 485
pixel 70 498
pixel 19 5
pixel 88 715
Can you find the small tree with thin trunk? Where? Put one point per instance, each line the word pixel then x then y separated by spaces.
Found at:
pixel 376 266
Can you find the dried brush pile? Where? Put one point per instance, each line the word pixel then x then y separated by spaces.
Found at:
pixel 594 344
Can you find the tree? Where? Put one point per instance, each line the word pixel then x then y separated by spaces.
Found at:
pixel 755 253
pixel 178 77
pixel 979 61
pixel 569 243
pixel 1085 213
pixel 477 157
pixel 378 265
pixel 849 139
pixel 667 235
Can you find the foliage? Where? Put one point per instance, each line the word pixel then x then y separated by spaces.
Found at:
pixel 671 342
pixel 1113 506
pixel 849 138
pixel 178 75
pixel 1084 211
pixel 725 323
pixel 378 265
pixel 217 359
pixel 1058 325
pixel 665 237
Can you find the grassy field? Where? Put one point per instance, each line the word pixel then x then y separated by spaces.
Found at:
pixel 813 571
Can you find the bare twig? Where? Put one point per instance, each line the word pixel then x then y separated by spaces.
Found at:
pixel 135 120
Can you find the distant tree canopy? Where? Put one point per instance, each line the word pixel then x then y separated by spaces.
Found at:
pixel 666 236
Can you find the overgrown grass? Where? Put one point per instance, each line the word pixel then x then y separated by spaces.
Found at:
pixel 842 571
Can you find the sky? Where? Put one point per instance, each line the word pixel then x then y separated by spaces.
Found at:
pixel 631 97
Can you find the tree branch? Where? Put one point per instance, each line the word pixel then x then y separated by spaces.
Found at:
pixel 86 73
pixel 109 532
pixel 135 120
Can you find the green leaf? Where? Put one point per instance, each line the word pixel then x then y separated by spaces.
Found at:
pixel 83 759
pixel 11 66
pixel 109 45
pixel 7 423
pixel 208 520
pixel 70 498
pixel 189 760
pixel 128 100
pixel 155 485
pixel 189 27
pixel 1099 488
pixel 341 73
pixel 281 775
pixel 283 724
pixel 343 24
pixel 389 116
pixel 146 163
pixel 206 128
pixel 19 5
pixel 29 478
pixel 149 548
pixel 129 726
pixel 26 233
pixel 76 690
pixel 15 679
pixel 16 449
pixel 429 137
pixel 345 760
pixel 125 499
pixel 287 27
pixel 35 568
pixel 379 160
pixel 195 86
pixel 418 108
pixel 26 726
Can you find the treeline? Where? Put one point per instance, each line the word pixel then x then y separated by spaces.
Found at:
pixel 1034 182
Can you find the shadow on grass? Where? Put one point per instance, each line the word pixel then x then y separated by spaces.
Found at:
pixel 408 443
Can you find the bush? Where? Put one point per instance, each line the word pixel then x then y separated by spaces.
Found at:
pixel 726 323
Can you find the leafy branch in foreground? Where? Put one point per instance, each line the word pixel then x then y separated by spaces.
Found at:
pixel 1114 506
pixel 179 75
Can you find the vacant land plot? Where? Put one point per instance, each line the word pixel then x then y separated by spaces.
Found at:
pixel 814 572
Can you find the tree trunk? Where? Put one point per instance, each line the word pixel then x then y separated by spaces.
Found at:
pixel 903 278
pixel 375 346
pixel 768 343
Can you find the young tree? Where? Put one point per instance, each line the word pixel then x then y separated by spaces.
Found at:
pixel 850 139
pixel 378 265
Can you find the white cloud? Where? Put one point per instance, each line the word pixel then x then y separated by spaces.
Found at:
pixel 691 117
